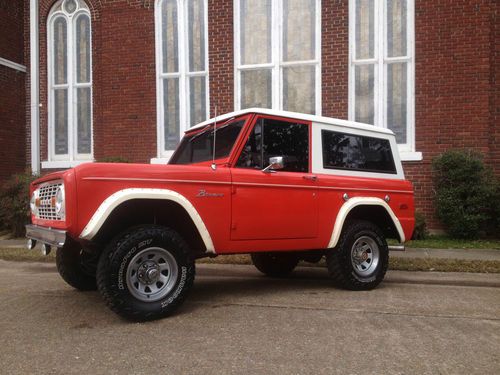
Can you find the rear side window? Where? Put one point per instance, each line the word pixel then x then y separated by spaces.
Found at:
pixel 357 153
pixel 277 138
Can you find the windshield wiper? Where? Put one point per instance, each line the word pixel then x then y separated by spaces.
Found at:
pixel 209 127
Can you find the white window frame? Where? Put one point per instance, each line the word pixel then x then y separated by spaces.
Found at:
pixel 183 75
pixel 380 63
pixel 73 158
pixel 277 64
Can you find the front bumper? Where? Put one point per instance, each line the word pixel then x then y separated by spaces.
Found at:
pixel 52 237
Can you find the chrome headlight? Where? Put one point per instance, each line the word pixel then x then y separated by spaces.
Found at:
pixel 59 202
pixel 35 202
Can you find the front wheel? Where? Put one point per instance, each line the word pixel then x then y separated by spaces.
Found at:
pixel 361 257
pixel 146 273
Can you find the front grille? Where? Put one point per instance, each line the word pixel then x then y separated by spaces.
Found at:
pixel 47 210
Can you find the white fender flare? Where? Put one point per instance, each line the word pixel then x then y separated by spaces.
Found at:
pixel 114 200
pixel 361 201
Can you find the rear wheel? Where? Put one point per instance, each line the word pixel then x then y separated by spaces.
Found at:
pixel 361 257
pixel 146 273
pixel 76 267
pixel 275 264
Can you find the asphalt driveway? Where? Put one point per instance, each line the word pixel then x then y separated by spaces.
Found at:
pixel 238 322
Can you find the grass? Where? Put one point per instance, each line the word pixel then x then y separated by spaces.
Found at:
pixel 443 242
pixel 395 263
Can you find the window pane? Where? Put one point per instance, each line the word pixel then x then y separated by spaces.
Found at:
pixel 83 48
pixel 61 121
pixel 396 27
pixel 256 88
pixel 255 31
pixel 171 112
pixel 364 99
pixel 197 100
pixel 60 51
pixel 397 100
pixel 196 30
pixel 299 30
pixel 354 152
pixel 169 36
pixel 365 22
pixel 199 147
pixel 84 120
pixel 277 138
pixel 299 89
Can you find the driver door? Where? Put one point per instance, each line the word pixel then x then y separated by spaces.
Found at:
pixel 276 204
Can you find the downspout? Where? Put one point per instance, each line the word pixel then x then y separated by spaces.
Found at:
pixel 34 89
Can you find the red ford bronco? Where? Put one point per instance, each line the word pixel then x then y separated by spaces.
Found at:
pixel 281 186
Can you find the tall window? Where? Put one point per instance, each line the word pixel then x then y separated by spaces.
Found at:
pixel 182 69
pixel 277 54
pixel 70 81
pixel 382 66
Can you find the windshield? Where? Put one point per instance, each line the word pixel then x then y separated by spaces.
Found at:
pixel 198 147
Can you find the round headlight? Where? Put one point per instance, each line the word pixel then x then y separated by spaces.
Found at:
pixel 33 202
pixel 59 204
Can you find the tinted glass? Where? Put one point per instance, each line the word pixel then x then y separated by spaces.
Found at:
pixel 277 138
pixel 199 147
pixel 355 152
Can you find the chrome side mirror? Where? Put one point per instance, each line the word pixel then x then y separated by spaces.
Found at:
pixel 275 163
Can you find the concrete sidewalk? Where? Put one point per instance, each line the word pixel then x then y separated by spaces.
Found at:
pixel 461 254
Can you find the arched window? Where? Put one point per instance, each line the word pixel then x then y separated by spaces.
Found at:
pixel 382 67
pixel 278 54
pixel 70 82
pixel 182 69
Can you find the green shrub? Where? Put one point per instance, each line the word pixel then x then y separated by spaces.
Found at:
pixel 14 203
pixel 420 232
pixel 113 159
pixel 467 194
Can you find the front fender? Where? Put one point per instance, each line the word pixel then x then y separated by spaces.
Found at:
pixel 113 201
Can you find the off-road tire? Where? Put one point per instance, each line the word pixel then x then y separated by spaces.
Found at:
pixel 73 266
pixel 340 260
pixel 114 265
pixel 275 264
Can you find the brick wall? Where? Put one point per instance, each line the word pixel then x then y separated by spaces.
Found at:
pixel 457 96
pixel 12 94
pixel 453 86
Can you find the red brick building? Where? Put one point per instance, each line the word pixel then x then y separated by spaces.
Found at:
pixel 124 78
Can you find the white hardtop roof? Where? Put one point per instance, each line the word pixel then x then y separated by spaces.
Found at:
pixel 298 116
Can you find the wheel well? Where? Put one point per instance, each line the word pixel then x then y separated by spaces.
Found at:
pixel 377 215
pixel 150 211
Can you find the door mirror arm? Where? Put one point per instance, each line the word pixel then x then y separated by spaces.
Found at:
pixel 275 163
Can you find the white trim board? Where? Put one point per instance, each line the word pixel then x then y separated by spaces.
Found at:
pixel 34 89
pixel 12 65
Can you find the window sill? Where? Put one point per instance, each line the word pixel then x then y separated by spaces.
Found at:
pixel 162 160
pixel 410 156
pixel 63 164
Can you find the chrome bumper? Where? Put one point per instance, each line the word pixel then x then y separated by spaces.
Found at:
pixel 397 248
pixel 53 237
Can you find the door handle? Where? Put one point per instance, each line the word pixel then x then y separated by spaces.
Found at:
pixel 310 177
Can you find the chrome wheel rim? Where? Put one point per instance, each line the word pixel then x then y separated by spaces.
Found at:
pixel 152 274
pixel 365 255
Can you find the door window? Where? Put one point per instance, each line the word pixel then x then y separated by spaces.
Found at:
pixel 271 138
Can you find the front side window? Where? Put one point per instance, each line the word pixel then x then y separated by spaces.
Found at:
pixel 382 66
pixel 271 138
pixel 277 55
pixel 182 69
pixel 70 81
